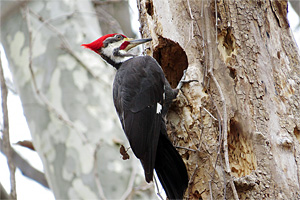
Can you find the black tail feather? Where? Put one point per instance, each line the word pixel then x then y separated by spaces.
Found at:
pixel 170 169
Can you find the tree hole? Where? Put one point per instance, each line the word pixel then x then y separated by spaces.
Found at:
pixel 227 45
pixel 149 7
pixel 241 156
pixel 171 58
pixel 232 72
pixel 229 42
pixel 278 54
pixel 297 134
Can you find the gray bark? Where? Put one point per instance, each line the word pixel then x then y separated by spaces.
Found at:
pixel 238 128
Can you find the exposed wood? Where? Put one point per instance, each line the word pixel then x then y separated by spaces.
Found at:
pixel 255 65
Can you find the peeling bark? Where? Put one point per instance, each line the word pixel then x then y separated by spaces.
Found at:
pixel 255 61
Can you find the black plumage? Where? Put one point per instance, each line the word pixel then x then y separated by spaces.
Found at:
pixel 139 88
pixel 142 96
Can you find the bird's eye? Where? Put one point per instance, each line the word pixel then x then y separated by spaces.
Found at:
pixel 118 36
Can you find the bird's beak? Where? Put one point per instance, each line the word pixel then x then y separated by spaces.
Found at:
pixel 133 43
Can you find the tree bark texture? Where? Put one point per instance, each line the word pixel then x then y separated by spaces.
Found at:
pixel 238 129
pixel 66 92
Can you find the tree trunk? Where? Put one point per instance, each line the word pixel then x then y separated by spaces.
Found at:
pixel 67 99
pixel 238 128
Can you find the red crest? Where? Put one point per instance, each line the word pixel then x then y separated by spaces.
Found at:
pixel 97 44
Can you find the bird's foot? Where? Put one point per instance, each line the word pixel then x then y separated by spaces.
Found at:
pixel 182 81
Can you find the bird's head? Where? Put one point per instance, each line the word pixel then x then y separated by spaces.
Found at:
pixel 114 47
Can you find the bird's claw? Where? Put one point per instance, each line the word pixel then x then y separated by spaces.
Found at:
pixel 182 81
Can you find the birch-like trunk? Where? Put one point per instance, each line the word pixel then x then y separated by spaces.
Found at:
pixel 238 129
pixel 66 92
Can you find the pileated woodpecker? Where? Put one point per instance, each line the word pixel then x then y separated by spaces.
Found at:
pixel 142 96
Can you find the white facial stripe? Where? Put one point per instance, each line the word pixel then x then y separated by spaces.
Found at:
pixel 109 50
pixel 158 108
pixel 119 59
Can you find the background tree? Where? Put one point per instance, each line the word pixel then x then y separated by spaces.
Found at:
pixel 238 129
pixel 66 94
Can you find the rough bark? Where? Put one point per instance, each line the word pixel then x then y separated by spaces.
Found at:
pixel 240 125
pixel 67 99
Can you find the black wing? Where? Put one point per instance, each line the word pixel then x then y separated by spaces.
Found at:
pixel 138 95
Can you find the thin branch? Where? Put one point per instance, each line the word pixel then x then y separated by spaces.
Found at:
pixel 7 146
pixel 10 86
pixel 205 81
pixel 144 187
pixel 97 178
pixel 106 18
pixel 216 16
pixel 190 10
pixel 222 98
pixel 130 188
pixel 235 194
pixel 38 92
pixel 42 97
pixel 66 15
pixel 219 143
pixel 202 7
pixel 3 193
pixel 193 18
pixel 224 178
pixel 192 180
pixel 66 46
pixel 108 1
pixel 191 34
pixel 26 169
pixel 210 189
pixel 158 192
pixel 209 72
pixel 103 16
pixel 210 114
pixel 72 53
pixel 186 148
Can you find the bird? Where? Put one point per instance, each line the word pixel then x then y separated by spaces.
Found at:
pixel 142 96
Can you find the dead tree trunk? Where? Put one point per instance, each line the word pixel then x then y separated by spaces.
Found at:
pixel 238 129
